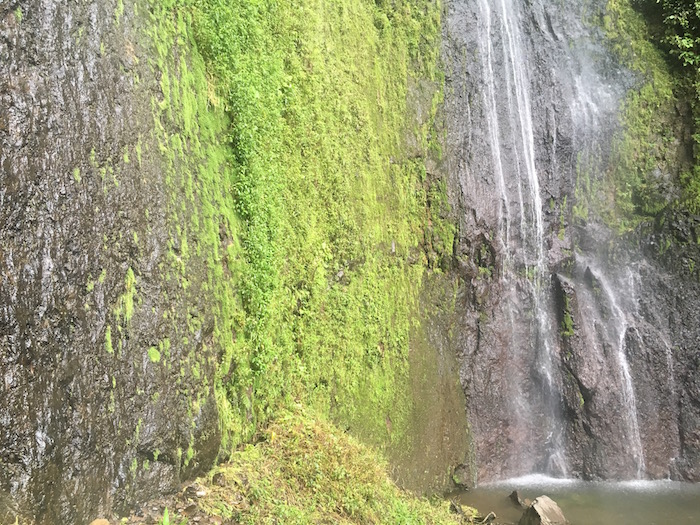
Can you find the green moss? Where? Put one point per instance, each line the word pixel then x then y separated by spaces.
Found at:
pixel 309 210
pixel 108 340
pixel 18 15
pixel 154 354
pixel 76 175
pixel 633 190
pixel 124 309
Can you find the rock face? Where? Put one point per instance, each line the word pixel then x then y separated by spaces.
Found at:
pixel 576 344
pixel 107 365
pixel 543 511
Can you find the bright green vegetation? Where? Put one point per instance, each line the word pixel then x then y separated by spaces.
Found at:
pixel 641 151
pixel 678 27
pixel 153 354
pixel 647 159
pixel 125 304
pixel 307 471
pixel 108 340
pixel 284 131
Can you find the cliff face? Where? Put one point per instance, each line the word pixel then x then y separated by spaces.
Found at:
pixel 107 360
pixel 207 214
pixel 577 339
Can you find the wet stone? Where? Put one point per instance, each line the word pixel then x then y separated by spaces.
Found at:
pixel 543 511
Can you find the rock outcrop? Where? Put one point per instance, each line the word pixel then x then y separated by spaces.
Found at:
pixel 543 511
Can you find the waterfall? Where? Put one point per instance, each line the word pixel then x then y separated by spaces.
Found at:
pixel 621 323
pixel 546 369
pixel 521 231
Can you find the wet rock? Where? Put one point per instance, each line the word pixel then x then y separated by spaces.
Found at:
pixel 621 311
pixel 462 477
pixel 8 509
pixel 219 479
pixel 543 511
pixel 456 508
pixel 517 501
pixel 96 426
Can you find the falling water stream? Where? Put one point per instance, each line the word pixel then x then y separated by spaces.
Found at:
pixel 629 399
pixel 547 369
pixel 513 153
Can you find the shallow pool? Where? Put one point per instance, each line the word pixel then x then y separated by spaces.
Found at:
pixel 588 503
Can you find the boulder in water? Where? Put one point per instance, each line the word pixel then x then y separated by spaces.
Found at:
pixel 543 511
pixel 518 501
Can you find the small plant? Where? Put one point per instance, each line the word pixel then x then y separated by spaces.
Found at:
pixel 165 520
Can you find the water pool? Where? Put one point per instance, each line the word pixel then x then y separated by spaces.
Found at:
pixel 594 503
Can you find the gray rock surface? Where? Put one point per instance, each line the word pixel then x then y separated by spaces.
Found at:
pixel 543 511
pixel 88 423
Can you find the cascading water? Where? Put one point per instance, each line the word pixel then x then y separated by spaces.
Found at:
pixel 512 145
pixel 547 362
pixel 620 322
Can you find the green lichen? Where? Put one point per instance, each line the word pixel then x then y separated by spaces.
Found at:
pixel 124 309
pixel 119 12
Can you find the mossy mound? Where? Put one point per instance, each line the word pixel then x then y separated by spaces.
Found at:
pixel 302 470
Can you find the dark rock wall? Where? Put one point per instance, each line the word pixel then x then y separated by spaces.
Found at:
pixel 89 420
